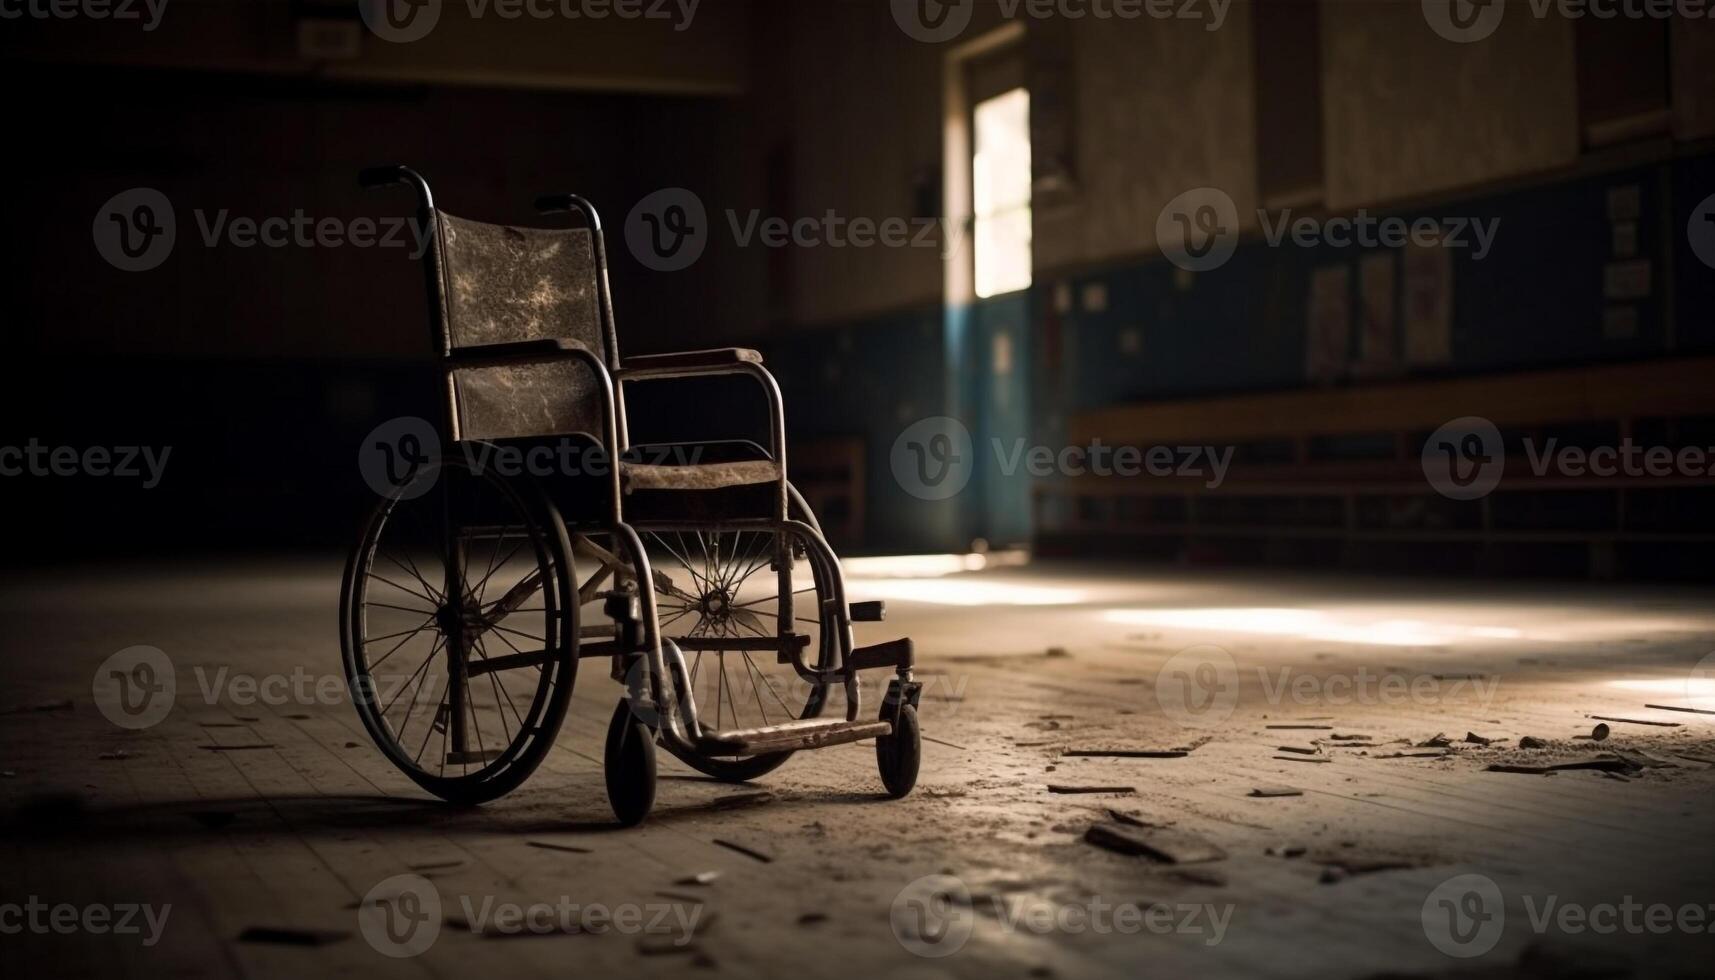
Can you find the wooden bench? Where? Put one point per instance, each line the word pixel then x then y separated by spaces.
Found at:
pixel 1343 467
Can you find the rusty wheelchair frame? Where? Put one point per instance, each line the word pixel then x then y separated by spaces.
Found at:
pixel 466 578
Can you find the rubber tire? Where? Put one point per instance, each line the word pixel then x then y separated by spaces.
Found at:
pixel 629 766
pixel 477 789
pixel 899 754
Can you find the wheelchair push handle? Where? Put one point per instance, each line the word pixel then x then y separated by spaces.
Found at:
pixel 561 203
pixel 370 178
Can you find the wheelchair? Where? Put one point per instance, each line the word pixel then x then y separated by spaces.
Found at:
pixel 696 570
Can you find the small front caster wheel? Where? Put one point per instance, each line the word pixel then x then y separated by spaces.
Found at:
pixel 897 755
pixel 629 765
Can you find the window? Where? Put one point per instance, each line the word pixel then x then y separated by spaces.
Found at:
pixel 1000 192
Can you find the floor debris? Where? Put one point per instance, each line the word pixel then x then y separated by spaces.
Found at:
pixel 1127 753
pixel 700 878
pixel 1303 758
pixel 1339 867
pixel 1199 876
pixel 26 709
pixel 1532 742
pixel 1639 721
pixel 1132 817
pixel 1164 844
pixel 548 845
pixel 276 936
pixel 1673 707
pixel 1600 763
pixel 1062 788
pixel 748 850
pixel 740 800
pixel 1271 792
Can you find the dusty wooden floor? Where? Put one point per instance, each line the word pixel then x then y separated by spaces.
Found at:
pixel 1361 874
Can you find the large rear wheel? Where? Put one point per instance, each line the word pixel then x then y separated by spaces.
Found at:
pixel 458 626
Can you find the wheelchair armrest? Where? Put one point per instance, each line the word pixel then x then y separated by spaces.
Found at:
pixel 722 360
pixel 717 361
pixel 540 349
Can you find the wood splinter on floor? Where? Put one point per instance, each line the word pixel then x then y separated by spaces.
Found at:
pixel 548 845
pixel 1271 792
pixel 1127 753
pixel 1165 844
pixel 1639 721
pixel 1062 788
pixel 273 936
pixel 1671 707
pixel 747 850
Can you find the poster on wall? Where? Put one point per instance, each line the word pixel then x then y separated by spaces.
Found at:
pixel 1378 325
pixel 1428 306
pixel 1329 323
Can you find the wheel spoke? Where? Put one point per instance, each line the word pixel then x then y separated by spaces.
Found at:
pixel 409 609
pixel 772 598
pixel 414 674
pixel 528 636
pixel 414 573
pixel 501 696
pixel 425 625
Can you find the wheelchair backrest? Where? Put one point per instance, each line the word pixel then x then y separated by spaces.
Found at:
pixel 500 284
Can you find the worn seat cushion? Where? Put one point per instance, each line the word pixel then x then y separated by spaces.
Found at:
pixel 698 476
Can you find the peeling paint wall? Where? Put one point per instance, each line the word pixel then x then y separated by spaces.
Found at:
pixel 1410 113
pixel 1161 107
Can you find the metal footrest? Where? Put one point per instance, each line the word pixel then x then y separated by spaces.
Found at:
pixel 813 733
